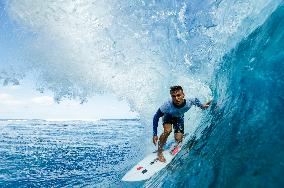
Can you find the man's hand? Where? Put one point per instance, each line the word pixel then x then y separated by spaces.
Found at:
pixel 206 105
pixel 155 140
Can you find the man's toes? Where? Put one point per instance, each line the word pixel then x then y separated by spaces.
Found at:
pixel 161 157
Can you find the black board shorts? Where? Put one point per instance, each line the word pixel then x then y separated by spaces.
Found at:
pixel 177 122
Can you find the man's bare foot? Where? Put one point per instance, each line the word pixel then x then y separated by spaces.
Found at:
pixel 161 157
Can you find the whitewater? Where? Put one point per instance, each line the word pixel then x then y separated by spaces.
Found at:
pixel 228 51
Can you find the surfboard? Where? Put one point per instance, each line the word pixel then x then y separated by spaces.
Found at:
pixel 150 165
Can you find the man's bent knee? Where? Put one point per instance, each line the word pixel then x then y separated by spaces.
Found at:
pixel 178 137
pixel 167 129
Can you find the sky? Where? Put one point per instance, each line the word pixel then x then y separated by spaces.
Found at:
pixel 23 101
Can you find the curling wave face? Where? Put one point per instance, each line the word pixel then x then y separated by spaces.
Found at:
pixel 242 140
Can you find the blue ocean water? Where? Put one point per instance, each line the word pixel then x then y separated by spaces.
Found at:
pixel 38 153
pixel 242 142
pixel 230 51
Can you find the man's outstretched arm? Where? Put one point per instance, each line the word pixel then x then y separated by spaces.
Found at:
pixel 197 103
pixel 156 118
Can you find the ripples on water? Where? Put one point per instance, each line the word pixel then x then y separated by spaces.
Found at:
pixel 59 154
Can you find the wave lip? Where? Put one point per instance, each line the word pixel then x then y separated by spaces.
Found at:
pixel 133 50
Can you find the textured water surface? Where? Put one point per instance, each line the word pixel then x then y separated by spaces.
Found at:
pixel 56 154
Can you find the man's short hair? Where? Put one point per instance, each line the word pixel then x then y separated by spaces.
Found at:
pixel 175 88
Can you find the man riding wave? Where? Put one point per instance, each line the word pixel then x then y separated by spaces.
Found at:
pixel 172 112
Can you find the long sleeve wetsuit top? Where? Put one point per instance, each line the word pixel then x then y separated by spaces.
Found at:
pixel 175 111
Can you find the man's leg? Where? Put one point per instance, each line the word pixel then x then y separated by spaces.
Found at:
pixel 176 148
pixel 179 129
pixel 162 140
pixel 178 137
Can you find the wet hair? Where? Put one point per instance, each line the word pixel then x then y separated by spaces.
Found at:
pixel 175 88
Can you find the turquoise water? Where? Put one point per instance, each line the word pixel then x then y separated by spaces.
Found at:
pixel 243 135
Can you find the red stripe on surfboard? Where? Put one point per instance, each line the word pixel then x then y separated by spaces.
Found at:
pixel 139 167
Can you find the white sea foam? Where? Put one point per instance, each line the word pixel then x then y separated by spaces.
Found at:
pixel 133 50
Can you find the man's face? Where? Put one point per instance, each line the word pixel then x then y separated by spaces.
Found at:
pixel 177 97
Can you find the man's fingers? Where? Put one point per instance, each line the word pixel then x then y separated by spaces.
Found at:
pixel 208 103
pixel 205 106
pixel 155 139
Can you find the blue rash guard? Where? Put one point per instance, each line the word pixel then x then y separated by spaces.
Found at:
pixel 174 111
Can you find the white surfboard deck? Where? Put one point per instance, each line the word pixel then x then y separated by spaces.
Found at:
pixel 150 165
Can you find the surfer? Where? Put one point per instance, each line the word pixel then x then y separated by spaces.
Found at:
pixel 172 112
